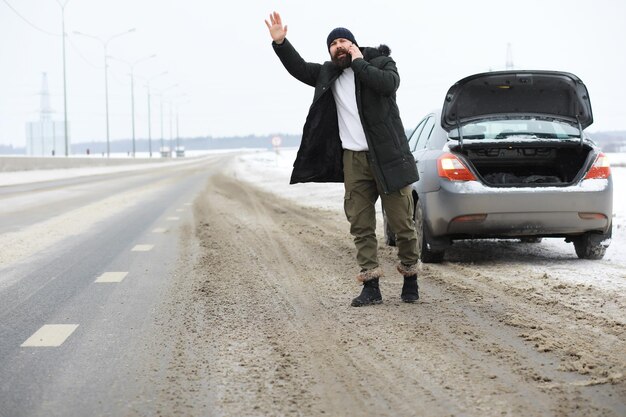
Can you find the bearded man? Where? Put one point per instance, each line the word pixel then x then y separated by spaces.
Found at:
pixel 353 134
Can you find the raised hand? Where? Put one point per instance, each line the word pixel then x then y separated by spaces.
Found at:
pixel 275 26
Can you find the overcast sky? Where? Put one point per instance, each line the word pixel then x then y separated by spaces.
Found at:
pixel 231 83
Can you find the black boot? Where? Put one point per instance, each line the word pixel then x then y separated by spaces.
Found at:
pixel 410 289
pixel 369 295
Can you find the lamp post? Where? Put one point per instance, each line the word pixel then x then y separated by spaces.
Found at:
pixel 149 112
pixel 171 122
pixel 132 88
pixel 161 148
pixel 177 131
pixel 161 92
pixel 105 45
pixel 63 34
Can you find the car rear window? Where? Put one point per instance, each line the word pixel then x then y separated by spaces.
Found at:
pixel 517 128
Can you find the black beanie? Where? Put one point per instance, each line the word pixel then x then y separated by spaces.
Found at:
pixel 340 33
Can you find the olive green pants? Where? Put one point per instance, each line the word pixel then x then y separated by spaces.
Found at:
pixel 362 191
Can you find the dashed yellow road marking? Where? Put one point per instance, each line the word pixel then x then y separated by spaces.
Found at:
pixel 112 277
pixel 50 335
pixel 142 248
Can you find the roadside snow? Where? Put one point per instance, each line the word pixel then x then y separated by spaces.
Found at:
pixel 27 177
pixel 40 175
pixel 271 172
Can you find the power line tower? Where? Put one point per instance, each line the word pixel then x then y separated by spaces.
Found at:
pixel 42 135
pixel 509 57
pixel 45 109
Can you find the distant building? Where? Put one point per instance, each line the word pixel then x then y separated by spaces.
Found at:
pixel 45 137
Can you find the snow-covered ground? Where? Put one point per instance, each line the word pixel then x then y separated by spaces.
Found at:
pixel 38 175
pixel 271 171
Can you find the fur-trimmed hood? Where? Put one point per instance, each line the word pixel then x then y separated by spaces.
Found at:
pixel 371 53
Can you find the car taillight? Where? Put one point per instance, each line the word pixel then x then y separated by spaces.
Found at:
pixel 470 218
pixel 451 167
pixel 600 168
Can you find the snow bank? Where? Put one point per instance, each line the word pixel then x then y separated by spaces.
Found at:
pixel 134 164
pixel 271 171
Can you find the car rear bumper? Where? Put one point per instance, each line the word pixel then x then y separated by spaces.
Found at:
pixel 461 209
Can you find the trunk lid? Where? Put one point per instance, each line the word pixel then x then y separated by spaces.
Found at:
pixel 548 95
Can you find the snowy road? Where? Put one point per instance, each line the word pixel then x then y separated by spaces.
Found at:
pixel 83 265
pixel 250 315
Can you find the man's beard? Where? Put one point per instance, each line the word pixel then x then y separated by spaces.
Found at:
pixel 344 61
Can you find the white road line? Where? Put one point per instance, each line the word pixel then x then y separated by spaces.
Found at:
pixel 173 218
pixel 50 335
pixel 187 204
pixel 112 277
pixel 180 210
pixel 142 248
pixel 159 230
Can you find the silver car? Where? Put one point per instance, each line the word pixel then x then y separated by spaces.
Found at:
pixel 507 157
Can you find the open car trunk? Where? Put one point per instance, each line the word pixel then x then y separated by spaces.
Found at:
pixel 527 164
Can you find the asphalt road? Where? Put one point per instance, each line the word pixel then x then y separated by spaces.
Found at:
pixel 69 343
pixel 222 299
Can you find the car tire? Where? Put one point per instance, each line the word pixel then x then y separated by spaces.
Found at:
pixel 531 239
pixel 426 254
pixel 591 246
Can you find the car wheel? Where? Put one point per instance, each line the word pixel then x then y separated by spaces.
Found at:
pixel 531 239
pixel 591 246
pixel 390 236
pixel 426 254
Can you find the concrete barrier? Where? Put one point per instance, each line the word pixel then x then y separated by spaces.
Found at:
pixel 28 163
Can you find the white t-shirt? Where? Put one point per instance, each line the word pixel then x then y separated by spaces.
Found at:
pixel 350 127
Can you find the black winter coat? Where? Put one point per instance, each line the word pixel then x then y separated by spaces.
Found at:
pixel 320 157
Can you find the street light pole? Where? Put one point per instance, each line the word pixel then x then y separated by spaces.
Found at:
pixel 161 121
pixel 106 99
pixel 132 89
pixel 150 113
pixel 161 92
pixel 63 35
pixel 132 103
pixel 149 124
pixel 177 130
pixel 171 137
pixel 105 45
